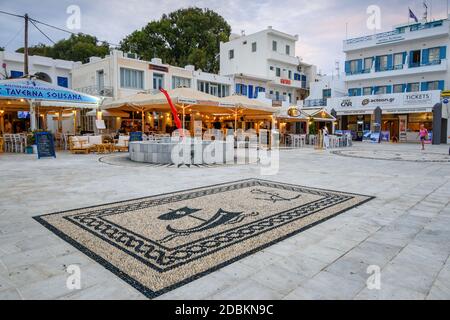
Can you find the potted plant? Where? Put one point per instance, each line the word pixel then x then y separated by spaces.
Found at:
pixel 31 143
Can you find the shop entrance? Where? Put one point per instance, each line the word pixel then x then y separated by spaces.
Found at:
pixel 391 126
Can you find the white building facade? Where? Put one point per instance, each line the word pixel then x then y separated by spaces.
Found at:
pixel 119 75
pixel 265 62
pixel 55 71
pixel 394 80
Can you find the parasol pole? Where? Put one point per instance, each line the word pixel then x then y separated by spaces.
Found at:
pixel 143 120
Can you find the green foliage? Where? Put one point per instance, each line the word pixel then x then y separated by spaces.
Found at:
pixel 312 128
pixel 77 48
pixel 2 49
pixel 187 36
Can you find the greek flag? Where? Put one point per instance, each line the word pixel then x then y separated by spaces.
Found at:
pixel 412 15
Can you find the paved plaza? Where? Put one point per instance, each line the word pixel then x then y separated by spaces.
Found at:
pixel 404 230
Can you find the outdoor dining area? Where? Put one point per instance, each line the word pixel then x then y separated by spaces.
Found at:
pixel 112 125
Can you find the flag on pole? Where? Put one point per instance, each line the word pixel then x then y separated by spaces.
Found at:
pixel 412 15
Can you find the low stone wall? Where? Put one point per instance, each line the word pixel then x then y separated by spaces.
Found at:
pixel 161 152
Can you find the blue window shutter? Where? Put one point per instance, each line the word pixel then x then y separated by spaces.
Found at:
pixel 16 74
pixel 408 87
pixel 424 86
pixel 443 53
pixel 425 56
pixel 244 90
pixel 347 67
pixel 250 91
pixel 389 62
pixel 404 57
pixel 377 63
pixel 441 85
pixel 388 89
pixel 360 66
pixel 359 92
pixel 63 82
pixel 238 88
pixel 404 89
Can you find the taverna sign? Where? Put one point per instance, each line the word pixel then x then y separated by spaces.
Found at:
pixel 40 90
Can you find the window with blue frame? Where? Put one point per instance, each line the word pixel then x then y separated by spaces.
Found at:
pixel 413 87
pixel 326 93
pixel 250 91
pixel 399 60
pixel 383 63
pixel 398 88
pixel 353 92
pixel 432 85
pixel 367 91
pixel 16 74
pixel 63 82
pixel 368 63
pixel 258 90
pixel 414 58
pixel 353 67
pixel 241 89
pixel 382 89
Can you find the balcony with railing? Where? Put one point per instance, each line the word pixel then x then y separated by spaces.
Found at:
pixel 405 33
pixel 97 91
pixel 315 103
pixel 438 65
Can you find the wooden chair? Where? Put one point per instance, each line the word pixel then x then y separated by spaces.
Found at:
pixel 122 144
pixel 79 145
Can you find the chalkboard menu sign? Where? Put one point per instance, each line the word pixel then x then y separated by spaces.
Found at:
pixel 135 136
pixel 45 145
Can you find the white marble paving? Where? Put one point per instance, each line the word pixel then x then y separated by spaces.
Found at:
pixel 405 230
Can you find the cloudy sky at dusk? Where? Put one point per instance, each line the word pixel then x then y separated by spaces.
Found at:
pixel 321 24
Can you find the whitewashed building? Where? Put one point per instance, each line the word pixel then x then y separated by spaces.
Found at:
pixel 394 80
pixel 266 62
pixel 119 75
pixel 55 71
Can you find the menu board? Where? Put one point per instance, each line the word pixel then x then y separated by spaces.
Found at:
pixel 45 145
pixel 135 136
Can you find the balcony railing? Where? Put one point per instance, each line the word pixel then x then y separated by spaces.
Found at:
pixel 96 91
pixel 274 97
pixel 412 28
pixel 396 67
pixel 315 103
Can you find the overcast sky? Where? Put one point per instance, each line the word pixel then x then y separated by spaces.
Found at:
pixel 321 24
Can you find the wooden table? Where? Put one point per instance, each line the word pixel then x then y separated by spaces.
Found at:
pixel 104 148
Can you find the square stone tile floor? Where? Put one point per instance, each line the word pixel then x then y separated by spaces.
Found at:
pixel 405 230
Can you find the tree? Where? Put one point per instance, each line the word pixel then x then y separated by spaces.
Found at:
pixel 77 48
pixel 2 49
pixel 187 36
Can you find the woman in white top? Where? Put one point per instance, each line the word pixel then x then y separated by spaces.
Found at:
pixel 326 139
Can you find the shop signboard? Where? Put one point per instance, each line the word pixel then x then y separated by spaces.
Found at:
pixel 45 145
pixel 136 136
pixel 417 98
pixel 385 136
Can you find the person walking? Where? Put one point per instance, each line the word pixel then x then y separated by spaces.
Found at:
pixel 423 135
pixel 326 139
